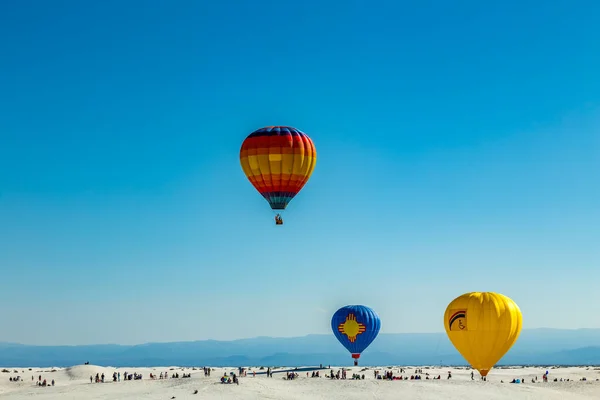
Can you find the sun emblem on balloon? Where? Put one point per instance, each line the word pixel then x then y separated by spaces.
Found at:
pixel 351 328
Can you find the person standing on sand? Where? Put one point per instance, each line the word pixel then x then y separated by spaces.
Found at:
pixel 472 378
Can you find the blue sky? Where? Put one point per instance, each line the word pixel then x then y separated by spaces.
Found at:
pixel 458 151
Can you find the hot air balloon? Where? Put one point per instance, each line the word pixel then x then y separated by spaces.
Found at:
pixel 278 161
pixel 483 326
pixel 355 327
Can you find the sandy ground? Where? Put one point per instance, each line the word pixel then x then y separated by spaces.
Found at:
pixel 74 383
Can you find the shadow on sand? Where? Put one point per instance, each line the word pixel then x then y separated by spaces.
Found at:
pixel 302 369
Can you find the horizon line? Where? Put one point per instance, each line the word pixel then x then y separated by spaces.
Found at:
pixel 256 337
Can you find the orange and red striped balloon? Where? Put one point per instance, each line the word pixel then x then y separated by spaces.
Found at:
pixel 278 161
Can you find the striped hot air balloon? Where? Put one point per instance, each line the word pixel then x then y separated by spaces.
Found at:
pixel 278 161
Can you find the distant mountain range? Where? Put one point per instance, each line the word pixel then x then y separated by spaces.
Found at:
pixel 534 347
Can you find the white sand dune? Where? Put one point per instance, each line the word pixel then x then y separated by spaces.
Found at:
pixel 74 384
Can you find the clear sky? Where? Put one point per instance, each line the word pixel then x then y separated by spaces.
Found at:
pixel 458 150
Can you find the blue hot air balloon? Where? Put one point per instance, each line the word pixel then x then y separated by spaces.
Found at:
pixel 355 327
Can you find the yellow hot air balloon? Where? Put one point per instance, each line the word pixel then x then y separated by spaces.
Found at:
pixel 483 326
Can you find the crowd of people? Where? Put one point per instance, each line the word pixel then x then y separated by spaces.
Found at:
pixel 166 376
pixel 40 382
pixel 232 377
pixel 116 376
pixel 291 375
pixel 389 375
pixel 545 379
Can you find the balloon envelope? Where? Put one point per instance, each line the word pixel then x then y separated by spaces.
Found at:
pixel 356 327
pixel 278 161
pixel 483 326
